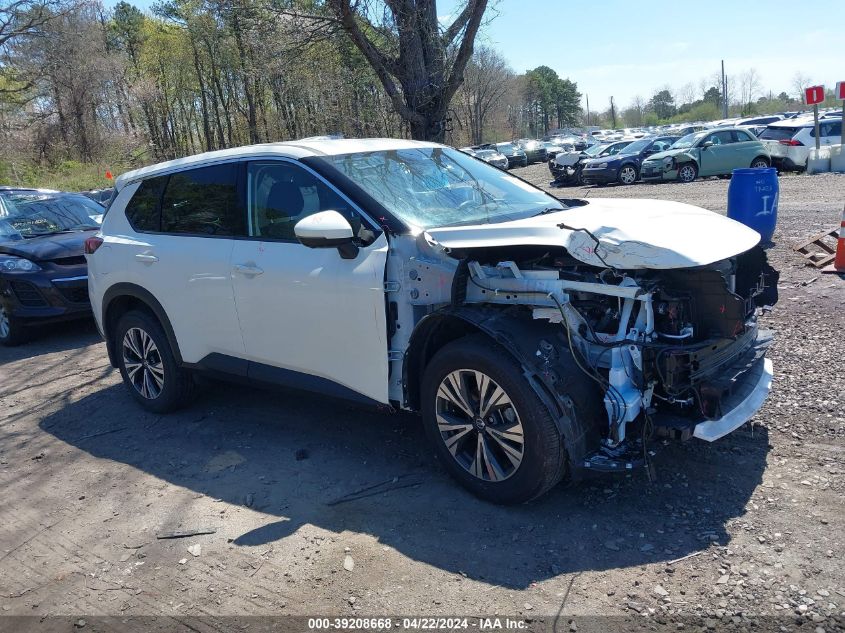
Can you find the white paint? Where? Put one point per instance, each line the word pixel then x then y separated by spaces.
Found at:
pixel 328 225
pixel 633 234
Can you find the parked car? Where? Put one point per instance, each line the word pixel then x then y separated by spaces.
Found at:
pixel 535 151
pixel 513 152
pixel 709 153
pixel 99 195
pixel 43 274
pixel 496 319
pixel 789 141
pixel 493 157
pixel 553 148
pixel 469 150
pixel 624 167
pixel 567 168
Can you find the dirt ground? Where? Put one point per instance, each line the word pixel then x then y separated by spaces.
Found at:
pixel 745 532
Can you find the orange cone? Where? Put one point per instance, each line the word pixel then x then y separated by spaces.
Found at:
pixel 838 265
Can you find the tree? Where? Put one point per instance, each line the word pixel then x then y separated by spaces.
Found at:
pixel 749 89
pixel 713 95
pixel 406 46
pixel 663 104
pixel 547 96
pixel 800 82
pixel 487 79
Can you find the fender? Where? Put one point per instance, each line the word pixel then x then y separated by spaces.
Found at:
pixel 539 349
pixel 141 295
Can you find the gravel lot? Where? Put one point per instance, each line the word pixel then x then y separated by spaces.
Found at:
pixel 744 532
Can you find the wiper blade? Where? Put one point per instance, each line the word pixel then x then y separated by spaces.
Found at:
pixel 548 210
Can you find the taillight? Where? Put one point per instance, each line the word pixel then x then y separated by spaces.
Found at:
pixel 791 142
pixel 92 244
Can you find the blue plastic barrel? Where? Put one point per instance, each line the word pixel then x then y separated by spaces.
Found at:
pixel 753 199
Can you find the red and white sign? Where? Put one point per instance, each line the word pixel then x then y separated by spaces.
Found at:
pixel 814 95
pixel 840 90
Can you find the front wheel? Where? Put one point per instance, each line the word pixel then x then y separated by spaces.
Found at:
pixel 687 172
pixel 488 427
pixel 12 330
pixel 627 175
pixel 148 365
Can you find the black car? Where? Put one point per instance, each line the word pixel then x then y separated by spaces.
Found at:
pixel 624 167
pixel 513 152
pixel 535 151
pixel 43 273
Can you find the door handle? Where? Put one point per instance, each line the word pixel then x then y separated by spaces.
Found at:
pixel 147 258
pixel 245 269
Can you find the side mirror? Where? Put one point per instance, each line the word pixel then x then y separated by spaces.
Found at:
pixel 327 229
pixel 706 144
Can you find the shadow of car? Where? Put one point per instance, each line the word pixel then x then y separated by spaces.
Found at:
pixel 602 523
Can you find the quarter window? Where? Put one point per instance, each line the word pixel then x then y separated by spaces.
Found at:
pixel 144 210
pixel 281 194
pixel 203 201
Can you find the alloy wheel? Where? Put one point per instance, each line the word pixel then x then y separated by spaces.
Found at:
pixel 143 363
pixel 759 164
pixel 628 175
pixel 686 174
pixel 5 325
pixel 479 425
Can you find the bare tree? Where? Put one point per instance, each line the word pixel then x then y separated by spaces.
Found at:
pixel 486 80
pixel 800 82
pixel 419 64
pixel 749 89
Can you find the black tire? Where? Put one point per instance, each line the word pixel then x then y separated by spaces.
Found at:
pixel 544 460
pixel 687 172
pixel 177 384
pixel 12 329
pixel 627 174
pixel 759 163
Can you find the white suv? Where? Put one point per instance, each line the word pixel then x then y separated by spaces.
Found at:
pixel 537 337
pixel 789 142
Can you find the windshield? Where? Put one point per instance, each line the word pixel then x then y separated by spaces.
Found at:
pixel 434 186
pixel 505 148
pixel 31 215
pixel 689 140
pixel 636 147
pixel 595 150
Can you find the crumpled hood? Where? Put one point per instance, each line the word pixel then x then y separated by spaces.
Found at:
pixel 669 152
pixel 633 234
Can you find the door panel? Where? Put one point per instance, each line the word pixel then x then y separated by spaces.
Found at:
pixel 310 311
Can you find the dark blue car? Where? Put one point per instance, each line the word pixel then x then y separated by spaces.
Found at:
pixel 624 168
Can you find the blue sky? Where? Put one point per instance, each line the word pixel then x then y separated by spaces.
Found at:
pixel 624 49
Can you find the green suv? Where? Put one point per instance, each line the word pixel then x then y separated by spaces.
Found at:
pixel 715 152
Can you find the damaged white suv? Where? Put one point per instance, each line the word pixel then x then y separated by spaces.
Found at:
pixel 538 337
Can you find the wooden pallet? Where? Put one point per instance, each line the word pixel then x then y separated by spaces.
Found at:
pixel 820 250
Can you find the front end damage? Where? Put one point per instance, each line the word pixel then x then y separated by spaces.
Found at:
pixel 671 352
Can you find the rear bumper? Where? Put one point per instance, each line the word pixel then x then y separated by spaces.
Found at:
pixel 745 400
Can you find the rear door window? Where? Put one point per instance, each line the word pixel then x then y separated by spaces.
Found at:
pixel 144 209
pixel 827 128
pixel 204 201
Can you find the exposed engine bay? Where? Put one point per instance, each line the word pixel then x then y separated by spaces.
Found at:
pixel 667 348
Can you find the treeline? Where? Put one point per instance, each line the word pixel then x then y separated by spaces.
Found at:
pixel 81 83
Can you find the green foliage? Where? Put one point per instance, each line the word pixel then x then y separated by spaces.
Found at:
pixel 67 176
pixel 663 104
pixel 550 98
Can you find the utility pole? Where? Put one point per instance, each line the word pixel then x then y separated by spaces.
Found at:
pixel 587 97
pixel 724 92
pixel 613 112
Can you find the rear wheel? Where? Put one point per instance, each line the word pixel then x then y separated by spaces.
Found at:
pixel 687 172
pixel 148 365
pixel 12 330
pixel 759 163
pixel 627 175
pixel 488 427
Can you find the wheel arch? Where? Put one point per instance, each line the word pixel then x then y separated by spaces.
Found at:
pixel 523 339
pixel 123 297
